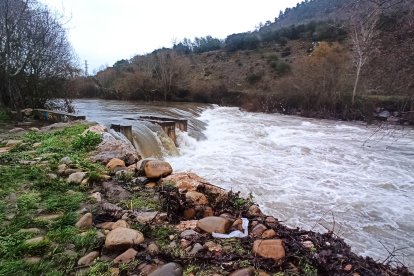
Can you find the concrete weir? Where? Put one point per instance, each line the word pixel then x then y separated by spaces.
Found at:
pixel 55 116
pixel 167 124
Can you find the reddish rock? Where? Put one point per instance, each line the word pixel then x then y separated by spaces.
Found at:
pixel 237 225
pixel 214 224
pixel 85 222
pixel 126 257
pixel 88 258
pixel 270 249
pixel 196 198
pixel 258 230
pixel 268 234
pixel 189 213
pixel 157 169
pixel 192 182
pixel 120 223
pixel 106 225
pixel 254 211
pixel 114 163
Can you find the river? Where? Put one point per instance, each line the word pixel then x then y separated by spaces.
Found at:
pixel 353 179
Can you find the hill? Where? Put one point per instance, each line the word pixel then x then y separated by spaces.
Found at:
pixel 332 59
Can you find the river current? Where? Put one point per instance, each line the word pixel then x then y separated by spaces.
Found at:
pixel 353 179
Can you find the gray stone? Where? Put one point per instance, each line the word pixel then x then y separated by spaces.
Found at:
pixel 115 192
pixel 196 248
pixel 189 234
pixel 66 160
pixel 170 269
pixel 112 148
pixel 76 177
pixel 146 217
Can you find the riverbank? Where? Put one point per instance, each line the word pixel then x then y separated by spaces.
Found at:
pixel 63 213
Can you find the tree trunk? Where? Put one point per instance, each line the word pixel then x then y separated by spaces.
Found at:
pixel 358 72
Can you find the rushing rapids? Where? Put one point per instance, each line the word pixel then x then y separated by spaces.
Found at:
pixel 346 177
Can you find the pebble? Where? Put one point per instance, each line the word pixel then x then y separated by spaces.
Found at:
pixel 153 249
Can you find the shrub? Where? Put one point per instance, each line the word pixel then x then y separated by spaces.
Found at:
pixel 254 78
pixel 87 141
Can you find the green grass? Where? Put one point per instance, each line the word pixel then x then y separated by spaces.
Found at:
pixel 26 191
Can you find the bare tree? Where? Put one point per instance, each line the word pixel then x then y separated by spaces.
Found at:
pixel 35 55
pixel 166 70
pixel 363 30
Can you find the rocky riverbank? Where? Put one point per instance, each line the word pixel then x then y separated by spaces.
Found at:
pixel 76 199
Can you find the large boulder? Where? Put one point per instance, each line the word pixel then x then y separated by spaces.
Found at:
pixel 214 224
pixel 112 148
pixel 270 249
pixel 123 238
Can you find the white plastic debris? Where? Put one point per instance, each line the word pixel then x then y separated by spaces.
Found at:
pixel 237 233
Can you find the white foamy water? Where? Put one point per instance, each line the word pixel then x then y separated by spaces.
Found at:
pixel 311 173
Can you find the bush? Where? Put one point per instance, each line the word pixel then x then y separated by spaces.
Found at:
pixel 87 141
pixel 254 78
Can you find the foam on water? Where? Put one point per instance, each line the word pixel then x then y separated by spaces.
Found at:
pixel 311 173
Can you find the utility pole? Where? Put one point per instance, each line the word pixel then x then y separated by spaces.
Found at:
pixel 86 68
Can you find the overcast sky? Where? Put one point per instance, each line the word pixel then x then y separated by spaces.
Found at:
pixel 104 31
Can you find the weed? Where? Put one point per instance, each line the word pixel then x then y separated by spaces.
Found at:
pixel 87 141
pixel 307 268
pixel 99 269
